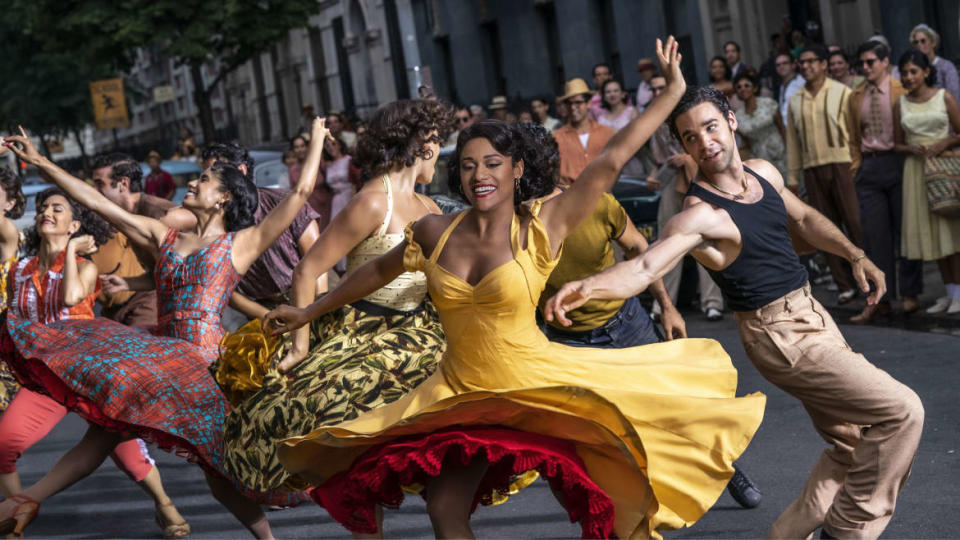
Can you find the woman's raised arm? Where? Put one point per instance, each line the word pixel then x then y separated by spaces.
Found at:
pixel 141 230
pixel 563 213
pixel 251 242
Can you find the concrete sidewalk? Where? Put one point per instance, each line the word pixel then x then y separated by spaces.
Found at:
pixel 919 321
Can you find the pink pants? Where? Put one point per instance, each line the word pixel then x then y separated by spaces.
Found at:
pixel 31 416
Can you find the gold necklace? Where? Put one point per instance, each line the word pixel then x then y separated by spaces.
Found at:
pixel 736 196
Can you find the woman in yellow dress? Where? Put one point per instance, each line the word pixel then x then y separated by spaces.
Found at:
pixel 634 440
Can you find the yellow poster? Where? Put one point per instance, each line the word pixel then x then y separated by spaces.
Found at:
pixel 109 106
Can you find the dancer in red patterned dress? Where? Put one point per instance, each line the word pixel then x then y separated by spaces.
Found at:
pixel 57 283
pixel 128 383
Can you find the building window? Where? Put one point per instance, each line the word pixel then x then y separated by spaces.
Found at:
pixel 493 57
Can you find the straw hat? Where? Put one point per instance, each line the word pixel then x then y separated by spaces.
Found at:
pixel 645 63
pixel 575 87
pixel 499 102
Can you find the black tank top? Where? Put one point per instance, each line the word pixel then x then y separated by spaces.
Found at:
pixel 767 267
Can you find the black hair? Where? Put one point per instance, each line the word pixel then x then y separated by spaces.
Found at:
pixel 920 60
pixel 301 137
pixel 787 54
pixel 601 64
pixel 341 144
pixel 747 74
pixel 238 212
pixel 840 54
pixel 876 47
pixel 822 53
pixel 90 222
pixel 695 95
pixel 727 72
pixel 399 132
pixel 531 143
pixel 603 100
pixel 10 183
pixel 546 101
pixel 231 153
pixel 734 43
pixel 121 165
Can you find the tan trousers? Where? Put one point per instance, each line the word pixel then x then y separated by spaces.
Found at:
pixel 872 422
pixel 671 202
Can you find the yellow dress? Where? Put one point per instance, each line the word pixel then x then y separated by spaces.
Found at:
pixel 657 427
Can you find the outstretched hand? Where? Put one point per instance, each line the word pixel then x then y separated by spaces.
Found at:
pixel 865 271
pixel 23 147
pixel 113 284
pixel 668 54
pixel 568 298
pixel 284 319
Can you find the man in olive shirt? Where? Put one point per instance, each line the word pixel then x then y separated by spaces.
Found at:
pixel 120 179
pixel 616 324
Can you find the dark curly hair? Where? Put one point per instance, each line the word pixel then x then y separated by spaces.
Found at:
pixel 749 75
pixel 727 72
pixel 695 95
pixel 399 132
pixel 10 183
pixel 121 165
pixel 603 90
pixel 231 153
pixel 530 143
pixel 920 60
pixel 238 212
pixel 90 222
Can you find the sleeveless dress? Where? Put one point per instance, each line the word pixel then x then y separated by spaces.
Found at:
pixel 155 386
pixel 636 440
pixel 8 383
pixel 361 356
pixel 924 235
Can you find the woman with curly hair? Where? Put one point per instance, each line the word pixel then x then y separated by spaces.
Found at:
pixel 633 440
pixel 156 386
pixel 57 282
pixel 12 202
pixel 366 353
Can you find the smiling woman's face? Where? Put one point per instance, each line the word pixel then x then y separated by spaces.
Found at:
pixel 487 177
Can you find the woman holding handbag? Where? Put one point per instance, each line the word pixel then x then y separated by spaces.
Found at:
pixel 922 123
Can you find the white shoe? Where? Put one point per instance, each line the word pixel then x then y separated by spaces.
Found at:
pixel 954 306
pixel 714 314
pixel 941 305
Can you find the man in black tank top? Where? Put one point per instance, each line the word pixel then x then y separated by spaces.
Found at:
pixel 735 222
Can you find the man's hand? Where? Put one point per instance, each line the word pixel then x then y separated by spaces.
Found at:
pixel 571 296
pixel 674 327
pixel 864 270
pixel 113 284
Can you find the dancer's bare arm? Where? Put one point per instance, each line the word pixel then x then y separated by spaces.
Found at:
pixel 251 242
pixel 79 277
pixel 563 213
pixel 634 244
pixel 355 223
pixel 368 278
pixel 821 233
pixel 690 229
pixel 143 231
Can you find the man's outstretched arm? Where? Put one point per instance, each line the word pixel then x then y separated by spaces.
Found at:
pixel 682 234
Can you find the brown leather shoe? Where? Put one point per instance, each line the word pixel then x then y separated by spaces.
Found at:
pixel 869 312
pixel 909 305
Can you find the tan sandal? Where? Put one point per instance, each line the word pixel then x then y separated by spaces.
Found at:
pixel 23 513
pixel 171 530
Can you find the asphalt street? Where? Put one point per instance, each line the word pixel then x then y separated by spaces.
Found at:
pixel 108 505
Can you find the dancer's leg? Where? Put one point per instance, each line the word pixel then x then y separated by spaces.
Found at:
pixel 133 459
pixel 28 419
pixel 246 511
pixel 450 498
pixel 377 535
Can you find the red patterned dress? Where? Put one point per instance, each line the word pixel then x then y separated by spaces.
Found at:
pixel 155 386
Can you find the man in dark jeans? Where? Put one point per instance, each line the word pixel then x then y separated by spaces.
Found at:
pixel 616 324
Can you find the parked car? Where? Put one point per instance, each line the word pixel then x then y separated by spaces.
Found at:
pixel 641 204
pixel 269 171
